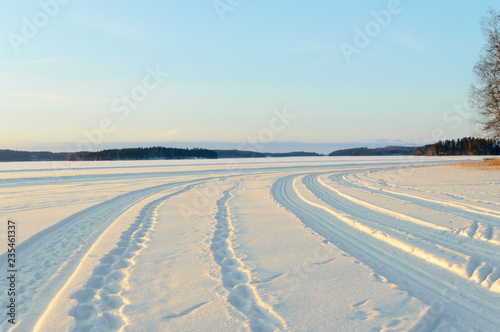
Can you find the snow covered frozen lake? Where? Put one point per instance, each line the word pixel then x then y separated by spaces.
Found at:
pixel 289 244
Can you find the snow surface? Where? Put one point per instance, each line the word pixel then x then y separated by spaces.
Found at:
pixel 289 244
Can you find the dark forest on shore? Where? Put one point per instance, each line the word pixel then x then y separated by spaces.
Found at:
pixel 467 146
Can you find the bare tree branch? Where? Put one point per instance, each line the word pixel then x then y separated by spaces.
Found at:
pixel 485 93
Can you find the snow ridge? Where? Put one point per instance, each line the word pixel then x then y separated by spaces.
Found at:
pixel 101 302
pixel 51 256
pixel 399 261
pixel 235 278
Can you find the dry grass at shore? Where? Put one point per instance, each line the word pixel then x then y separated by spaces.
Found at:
pixel 487 163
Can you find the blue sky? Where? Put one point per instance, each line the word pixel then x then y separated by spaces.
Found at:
pixel 66 67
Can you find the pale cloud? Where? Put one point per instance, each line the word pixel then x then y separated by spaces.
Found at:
pixel 168 134
pixel 408 41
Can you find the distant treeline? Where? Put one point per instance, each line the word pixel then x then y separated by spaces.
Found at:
pixel 468 146
pixel 253 154
pixel 175 153
pixel 387 151
pixel 144 154
pixel 113 154
pixel 463 146
pixel 10 155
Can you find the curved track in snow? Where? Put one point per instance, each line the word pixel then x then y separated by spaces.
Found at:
pixel 413 256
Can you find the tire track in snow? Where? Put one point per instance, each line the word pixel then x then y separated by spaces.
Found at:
pixel 466 306
pixel 460 257
pixel 438 204
pixel 235 278
pixel 51 256
pixel 420 190
pixel 486 229
pixel 100 303
pixel 476 230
